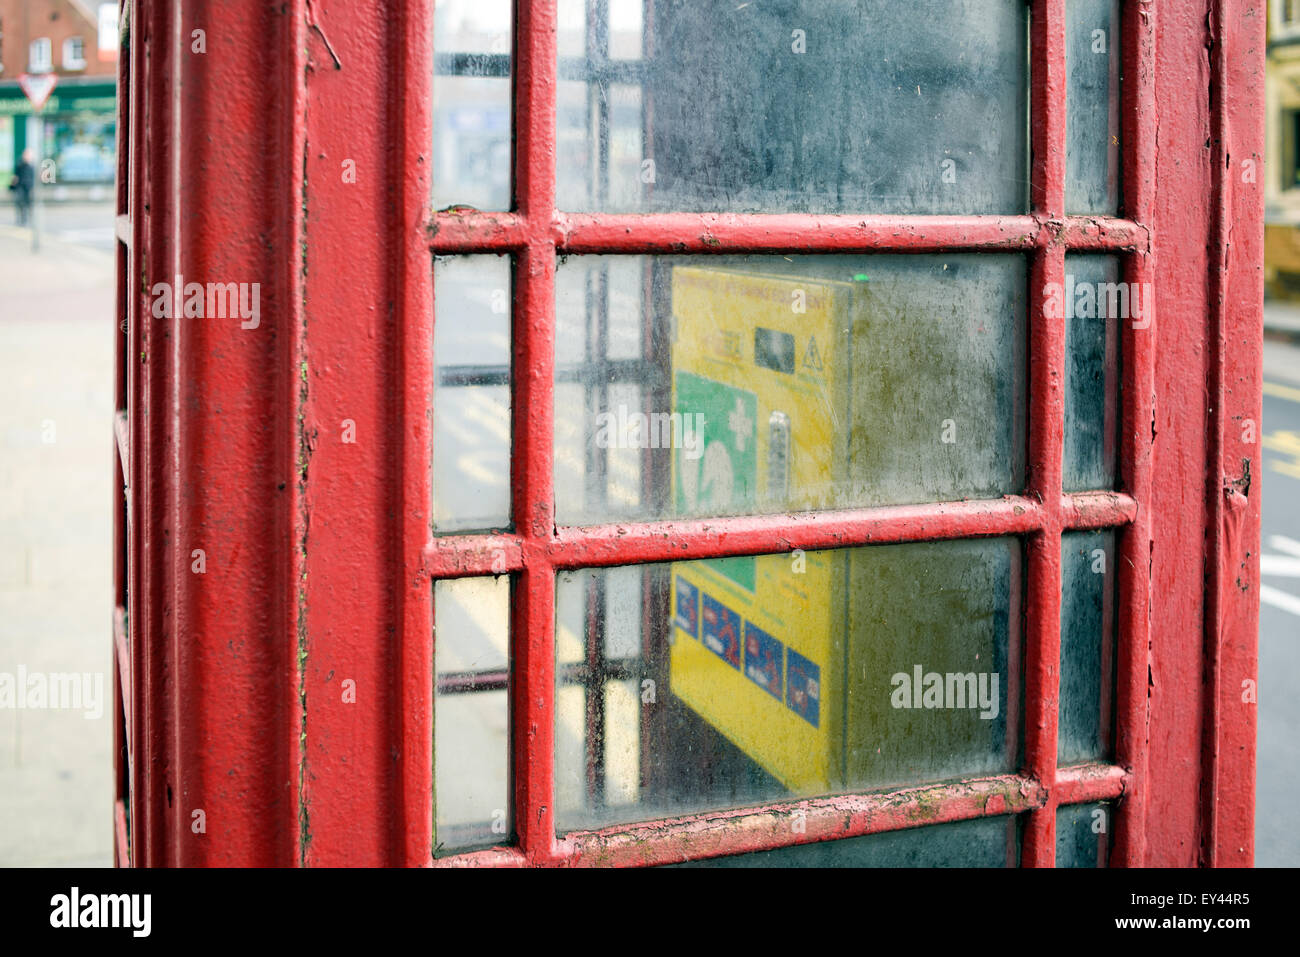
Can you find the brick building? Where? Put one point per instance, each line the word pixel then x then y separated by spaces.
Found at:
pixel 77 42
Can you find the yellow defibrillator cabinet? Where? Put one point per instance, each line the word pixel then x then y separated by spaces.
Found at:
pixel 794 657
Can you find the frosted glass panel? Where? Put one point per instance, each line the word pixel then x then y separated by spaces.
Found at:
pixel 707 684
pixel 695 386
pixel 471 399
pixel 1092 59
pixel 794 106
pixel 471 713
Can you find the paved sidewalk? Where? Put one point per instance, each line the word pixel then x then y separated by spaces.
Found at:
pixel 56 405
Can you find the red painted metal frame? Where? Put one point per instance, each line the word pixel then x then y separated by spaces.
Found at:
pixel 538 231
pixel 1236 359
pixel 320 561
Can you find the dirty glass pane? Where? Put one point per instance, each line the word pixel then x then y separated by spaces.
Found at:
pixel 986 842
pixel 1083 835
pixel 793 106
pixel 761 678
pixel 471 713
pixel 1088 592
pixel 1092 60
pixel 471 103
pixel 471 397
pixel 606 295
pixel 786 383
pixel 1095 305
pixel 599 605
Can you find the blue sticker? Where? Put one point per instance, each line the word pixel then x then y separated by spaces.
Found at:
pixel 688 606
pixel 764 660
pixel 803 689
pixel 721 631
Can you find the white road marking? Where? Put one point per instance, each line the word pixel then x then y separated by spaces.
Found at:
pixel 1280 599
pixel 1284 565
pixel 1280 543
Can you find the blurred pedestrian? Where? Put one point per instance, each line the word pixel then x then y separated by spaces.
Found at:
pixel 22 184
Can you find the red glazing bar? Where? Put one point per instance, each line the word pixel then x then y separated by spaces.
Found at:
pixel 1103 234
pixel 722 233
pixel 1134 619
pixel 535 70
pixel 1043 549
pixel 461 556
pixel 830 818
pixel 1137 428
pixel 1089 783
pixel 464 556
pixel 1047 107
pixel 1046 423
pixel 744 830
pixel 468 230
pixel 1081 510
pixel 1235 349
pixel 758 534
pixel 532 623
pixel 489 857
pixel 532 503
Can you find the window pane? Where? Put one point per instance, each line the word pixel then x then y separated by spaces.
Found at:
pixel 1083 835
pixel 987 842
pixel 794 106
pixel 1095 304
pixel 471 398
pixel 784 676
pixel 471 713
pixel 1092 106
pixel 1087 646
pixel 471 103
pixel 779 383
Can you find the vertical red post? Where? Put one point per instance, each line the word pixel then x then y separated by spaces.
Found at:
pixel 1046 329
pixel 1137 418
pixel 362 372
pixel 1236 369
pixel 533 500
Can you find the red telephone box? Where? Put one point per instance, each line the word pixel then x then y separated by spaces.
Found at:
pixel 654 204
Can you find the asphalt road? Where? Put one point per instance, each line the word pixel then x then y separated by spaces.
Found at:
pixel 1277 808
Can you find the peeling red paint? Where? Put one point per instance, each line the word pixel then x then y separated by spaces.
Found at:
pixel 228 684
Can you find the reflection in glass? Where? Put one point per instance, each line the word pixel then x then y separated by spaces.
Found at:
pixel 471 103
pixel 471 400
pixel 1092 58
pixel 1088 589
pixel 1095 305
pixel 793 106
pixel 753 679
pixel 782 383
pixel 471 713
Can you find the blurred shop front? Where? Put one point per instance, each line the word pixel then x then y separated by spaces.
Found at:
pixel 76 128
